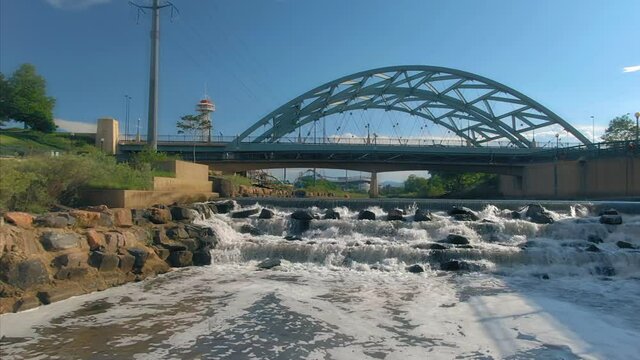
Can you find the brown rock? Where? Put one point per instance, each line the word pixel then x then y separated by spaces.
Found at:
pixel 86 218
pixel 114 241
pixel 75 259
pixel 20 219
pixel 126 262
pixel 98 208
pixel 104 261
pixel 94 239
pixel 59 293
pixel 159 216
pixel 72 273
pixel 27 302
pixel 122 217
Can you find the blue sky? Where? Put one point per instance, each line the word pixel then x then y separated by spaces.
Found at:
pixel 255 55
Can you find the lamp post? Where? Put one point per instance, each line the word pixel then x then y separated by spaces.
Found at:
pixel 593 129
pixel 127 107
pixel 637 128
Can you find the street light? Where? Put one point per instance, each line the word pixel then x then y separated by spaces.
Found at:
pixel 127 101
pixel 637 128
pixel 593 129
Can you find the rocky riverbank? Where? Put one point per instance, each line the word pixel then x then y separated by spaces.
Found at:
pixel 53 256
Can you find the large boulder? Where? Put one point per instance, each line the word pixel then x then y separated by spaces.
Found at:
pixel 422 215
pixel 429 246
pixel 462 213
pixel 594 239
pixel 141 255
pixel 610 217
pixel 159 216
pixel 126 262
pixel 114 241
pixel 20 219
pixel 538 214
pixel 395 214
pixel 244 213
pixel 202 257
pixel 624 245
pixel 223 207
pixel 455 265
pixel 54 241
pixel 55 220
pixel 415 269
pixel 266 214
pixel 23 274
pixel 366 215
pixel 122 217
pixel 180 213
pixel 250 229
pixel 88 219
pixel 455 239
pixel 95 240
pixel 331 214
pixel 305 214
pixel 75 259
pixel 104 261
pixel 177 232
pixel 180 258
pixel 269 263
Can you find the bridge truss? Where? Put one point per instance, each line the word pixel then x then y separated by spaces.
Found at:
pixel 476 109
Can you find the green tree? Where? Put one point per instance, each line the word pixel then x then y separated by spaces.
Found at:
pixel 195 125
pixel 28 101
pixel 4 99
pixel 416 184
pixel 621 128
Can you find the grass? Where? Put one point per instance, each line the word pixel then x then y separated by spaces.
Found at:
pixel 37 183
pixel 18 142
pixel 237 179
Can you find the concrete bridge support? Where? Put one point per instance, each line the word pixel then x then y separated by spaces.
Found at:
pixel 604 178
pixel 373 188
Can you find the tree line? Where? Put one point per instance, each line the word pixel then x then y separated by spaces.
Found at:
pixel 23 98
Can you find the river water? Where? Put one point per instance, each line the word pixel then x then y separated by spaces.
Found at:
pixel 344 292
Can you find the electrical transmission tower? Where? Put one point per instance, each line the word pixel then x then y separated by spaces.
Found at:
pixel 152 130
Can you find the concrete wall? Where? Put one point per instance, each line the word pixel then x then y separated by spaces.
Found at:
pixel 178 184
pixel 617 177
pixel 142 198
pixel 185 170
pixel 107 134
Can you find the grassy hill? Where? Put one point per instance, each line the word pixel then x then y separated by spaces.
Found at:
pixel 19 142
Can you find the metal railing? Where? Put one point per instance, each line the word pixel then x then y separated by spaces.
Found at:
pixel 333 140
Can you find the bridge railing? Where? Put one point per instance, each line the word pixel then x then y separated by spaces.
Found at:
pixel 334 140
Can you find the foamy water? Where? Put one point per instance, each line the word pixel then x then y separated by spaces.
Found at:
pixel 343 292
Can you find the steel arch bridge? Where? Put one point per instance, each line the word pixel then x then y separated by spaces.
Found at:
pixel 476 109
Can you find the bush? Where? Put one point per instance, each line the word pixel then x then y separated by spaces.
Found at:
pixel 35 184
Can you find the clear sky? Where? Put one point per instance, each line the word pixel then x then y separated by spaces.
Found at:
pixel 253 56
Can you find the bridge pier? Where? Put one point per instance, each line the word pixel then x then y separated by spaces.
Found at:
pixel 373 188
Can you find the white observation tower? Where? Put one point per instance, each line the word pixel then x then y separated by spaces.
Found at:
pixel 206 107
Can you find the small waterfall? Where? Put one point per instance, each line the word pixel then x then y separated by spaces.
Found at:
pixel 576 243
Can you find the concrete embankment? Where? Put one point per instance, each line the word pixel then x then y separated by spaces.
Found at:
pixel 51 257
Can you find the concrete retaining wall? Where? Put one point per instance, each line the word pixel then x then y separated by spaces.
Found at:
pixel 143 198
pixel 598 178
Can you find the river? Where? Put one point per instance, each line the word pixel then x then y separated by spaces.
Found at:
pixel 344 291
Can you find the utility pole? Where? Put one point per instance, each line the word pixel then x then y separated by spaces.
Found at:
pixel 152 129
pixel 127 107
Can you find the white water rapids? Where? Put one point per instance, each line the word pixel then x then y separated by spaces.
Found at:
pixel 343 292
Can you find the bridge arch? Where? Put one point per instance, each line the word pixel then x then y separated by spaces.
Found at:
pixel 473 107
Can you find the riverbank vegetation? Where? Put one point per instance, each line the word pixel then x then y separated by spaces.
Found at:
pixel 443 185
pixel 324 186
pixel 37 183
